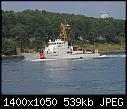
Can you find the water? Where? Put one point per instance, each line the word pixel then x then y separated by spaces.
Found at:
pixel 105 75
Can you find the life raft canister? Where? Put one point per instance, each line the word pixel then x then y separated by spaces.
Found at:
pixel 41 56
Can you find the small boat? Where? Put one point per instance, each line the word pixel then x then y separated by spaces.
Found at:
pixel 59 49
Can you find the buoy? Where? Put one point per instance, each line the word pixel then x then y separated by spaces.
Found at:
pixel 41 56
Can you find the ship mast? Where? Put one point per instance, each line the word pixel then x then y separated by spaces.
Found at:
pixel 63 31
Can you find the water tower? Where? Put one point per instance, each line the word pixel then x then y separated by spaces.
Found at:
pixel 104 14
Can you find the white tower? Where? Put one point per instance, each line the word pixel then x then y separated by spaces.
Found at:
pixel 104 14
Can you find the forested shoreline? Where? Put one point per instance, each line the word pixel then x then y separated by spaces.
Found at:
pixel 33 29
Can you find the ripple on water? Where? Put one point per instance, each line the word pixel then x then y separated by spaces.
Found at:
pixel 95 76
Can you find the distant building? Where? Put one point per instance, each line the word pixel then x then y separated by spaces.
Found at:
pixel 104 14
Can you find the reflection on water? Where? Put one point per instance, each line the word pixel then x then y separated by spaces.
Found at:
pixel 93 76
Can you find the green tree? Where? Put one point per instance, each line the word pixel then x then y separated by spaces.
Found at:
pixel 9 47
pixel 21 26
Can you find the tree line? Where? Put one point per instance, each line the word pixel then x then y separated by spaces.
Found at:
pixel 33 28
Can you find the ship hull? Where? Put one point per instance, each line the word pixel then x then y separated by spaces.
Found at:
pixel 32 56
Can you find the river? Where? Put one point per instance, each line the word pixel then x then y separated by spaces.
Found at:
pixel 105 75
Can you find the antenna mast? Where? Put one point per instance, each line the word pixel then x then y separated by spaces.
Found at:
pixel 63 31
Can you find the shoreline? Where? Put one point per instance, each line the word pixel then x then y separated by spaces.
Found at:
pixel 21 57
pixel 11 57
pixel 112 51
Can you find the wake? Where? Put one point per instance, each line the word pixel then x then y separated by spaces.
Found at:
pixel 112 56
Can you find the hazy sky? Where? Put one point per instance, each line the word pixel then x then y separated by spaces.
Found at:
pixel 116 9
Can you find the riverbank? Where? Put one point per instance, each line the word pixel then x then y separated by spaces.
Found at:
pixel 11 57
pixel 112 52
pixel 102 48
pixel 106 47
pixel 101 52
